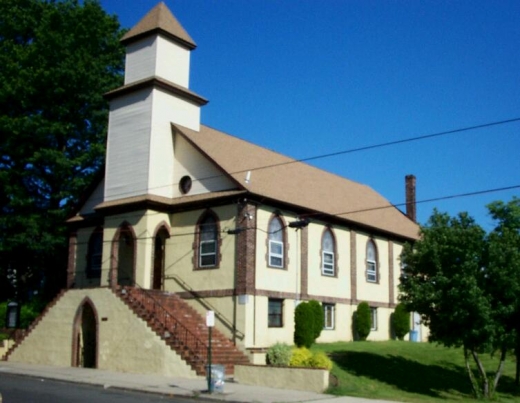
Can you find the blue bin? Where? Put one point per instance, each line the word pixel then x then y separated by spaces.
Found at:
pixel 414 335
pixel 217 378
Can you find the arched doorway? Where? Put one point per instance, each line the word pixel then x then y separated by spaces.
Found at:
pixel 85 344
pixel 125 258
pixel 159 258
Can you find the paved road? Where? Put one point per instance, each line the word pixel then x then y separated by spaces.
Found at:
pixel 21 389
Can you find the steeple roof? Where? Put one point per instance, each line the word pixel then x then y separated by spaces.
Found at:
pixel 159 20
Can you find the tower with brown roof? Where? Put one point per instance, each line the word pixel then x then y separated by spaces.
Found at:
pixel 140 148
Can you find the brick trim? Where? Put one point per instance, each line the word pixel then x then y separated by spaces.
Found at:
pixel 77 328
pixel 206 293
pixel 334 249
pixel 114 254
pixel 274 216
pixel 196 243
pixel 372 241
pixel 245 250
pixel 278 295
pixel 161 228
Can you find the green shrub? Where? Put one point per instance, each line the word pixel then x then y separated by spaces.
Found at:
pixel 304 358
pixel 301 357
pixel 303 325
pixel 362 321
pixel 318 317
pixel 320 360
pixel 400 321
pixel 3 312
pixel 279 355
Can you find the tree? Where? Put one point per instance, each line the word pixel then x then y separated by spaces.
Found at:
pixel 504 272
pixel 58 58
pixel 401 321
pixel 446 280
pixel 362 321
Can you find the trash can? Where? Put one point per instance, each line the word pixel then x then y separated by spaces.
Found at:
pixel 217 377
pixel 414 335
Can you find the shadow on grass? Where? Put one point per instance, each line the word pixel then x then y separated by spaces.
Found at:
pixel 412 376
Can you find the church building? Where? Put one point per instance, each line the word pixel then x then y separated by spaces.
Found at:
pixel 186 219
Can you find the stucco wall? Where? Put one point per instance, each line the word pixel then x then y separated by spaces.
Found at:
pixel 125 343
pixel 369 291
pixel 180 256
pixel 272 278
pixel 337 286
pixel 249 315
pixel 343 325
pixel 308 379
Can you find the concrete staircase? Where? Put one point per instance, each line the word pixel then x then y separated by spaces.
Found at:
pixel 21 335
pixel 182 328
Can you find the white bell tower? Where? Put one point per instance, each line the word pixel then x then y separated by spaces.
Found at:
pixel 140 147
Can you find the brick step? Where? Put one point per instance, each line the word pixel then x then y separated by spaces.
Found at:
pixel 223 350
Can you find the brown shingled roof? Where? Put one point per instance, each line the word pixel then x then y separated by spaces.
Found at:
pixel 278 177
pixel 159 19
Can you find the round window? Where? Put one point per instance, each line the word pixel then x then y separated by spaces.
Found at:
pixel 185 184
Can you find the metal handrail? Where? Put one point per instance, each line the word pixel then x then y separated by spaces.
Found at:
pixel 207 304
pixel 174 328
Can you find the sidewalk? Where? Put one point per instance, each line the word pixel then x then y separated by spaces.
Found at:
pixel 233 392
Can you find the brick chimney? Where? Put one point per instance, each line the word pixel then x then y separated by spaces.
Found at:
pixel 410 198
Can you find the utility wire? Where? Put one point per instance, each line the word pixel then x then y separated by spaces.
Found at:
pixel 352 150
pixel 455 196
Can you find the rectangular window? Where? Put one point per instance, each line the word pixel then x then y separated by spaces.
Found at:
pixel 328 264
pixel 276 254
pixel 208 253
pixel 329 313
pixel 371 272
pixel 373 318
pixel 275 313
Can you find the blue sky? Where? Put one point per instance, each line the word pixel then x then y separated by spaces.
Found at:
pixel 308 77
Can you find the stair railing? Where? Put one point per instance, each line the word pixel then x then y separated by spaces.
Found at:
pixel 174 328
pixel 237 333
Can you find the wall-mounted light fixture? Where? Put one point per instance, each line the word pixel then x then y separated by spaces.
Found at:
pixel 12 319
pixel 300 223
pixel 235 231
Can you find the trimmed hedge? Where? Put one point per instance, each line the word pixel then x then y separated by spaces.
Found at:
pixel 401 321
pixel 318 318
pixel 362 321
pixel 303 325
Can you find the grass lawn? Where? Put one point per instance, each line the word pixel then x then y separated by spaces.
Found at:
pixel 409 372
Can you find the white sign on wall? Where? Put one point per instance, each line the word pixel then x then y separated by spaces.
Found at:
pixel 210 318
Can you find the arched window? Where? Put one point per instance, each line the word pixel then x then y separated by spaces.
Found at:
pixel 276 243
pixel 328 264
pixel 208 242
pixel 94 254
pixel 372 264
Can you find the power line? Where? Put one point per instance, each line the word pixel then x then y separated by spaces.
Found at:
pixel 225 231
pixel 455 196
pixel 352 150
